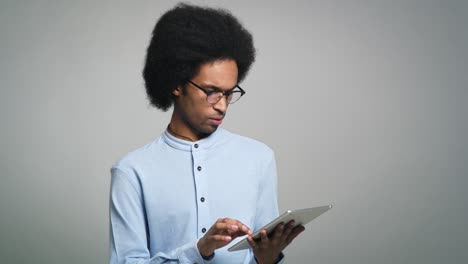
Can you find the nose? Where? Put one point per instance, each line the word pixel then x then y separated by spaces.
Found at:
pixel 221 105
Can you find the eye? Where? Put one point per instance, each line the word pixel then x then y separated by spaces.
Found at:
pixel 210 92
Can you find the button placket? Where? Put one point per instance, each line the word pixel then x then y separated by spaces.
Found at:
pixel 201 190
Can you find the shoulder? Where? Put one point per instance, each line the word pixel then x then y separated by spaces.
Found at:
pixel 248 145
pixel 138 157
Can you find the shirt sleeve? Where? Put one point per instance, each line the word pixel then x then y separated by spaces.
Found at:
pixel 128 227
pixel 267 201
pixel 267 204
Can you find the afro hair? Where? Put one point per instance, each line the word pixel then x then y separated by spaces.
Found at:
pixel 186 37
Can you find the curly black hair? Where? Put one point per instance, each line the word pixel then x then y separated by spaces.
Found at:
pixel 186 37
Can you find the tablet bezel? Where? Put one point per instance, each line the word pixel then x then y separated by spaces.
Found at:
pixel 300 217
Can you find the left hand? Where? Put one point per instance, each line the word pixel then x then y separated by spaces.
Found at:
pixel 268 249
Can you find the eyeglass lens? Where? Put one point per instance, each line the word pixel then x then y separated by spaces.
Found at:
pixel 231 98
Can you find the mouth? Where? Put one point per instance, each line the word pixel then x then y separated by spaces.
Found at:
pixel 216 121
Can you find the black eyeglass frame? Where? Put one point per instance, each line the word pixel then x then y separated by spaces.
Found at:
pixel 225 94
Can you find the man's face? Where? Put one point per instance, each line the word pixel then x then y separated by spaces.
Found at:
pixel 193 116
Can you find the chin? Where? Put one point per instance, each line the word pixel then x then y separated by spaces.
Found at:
pixel 208 131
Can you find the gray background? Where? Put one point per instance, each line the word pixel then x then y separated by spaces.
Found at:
pixel 364 103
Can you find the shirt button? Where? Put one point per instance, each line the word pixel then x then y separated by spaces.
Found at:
pixel 199 168
pixel 203 230
pixel 196 145
pixel 202 199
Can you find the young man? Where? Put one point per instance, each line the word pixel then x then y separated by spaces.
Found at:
pixel 184 197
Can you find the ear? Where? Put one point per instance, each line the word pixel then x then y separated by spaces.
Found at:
pixel 177 91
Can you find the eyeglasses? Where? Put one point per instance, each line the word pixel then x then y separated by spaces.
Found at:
pixel 214 96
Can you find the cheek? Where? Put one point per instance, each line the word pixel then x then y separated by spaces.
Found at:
pixel 196 112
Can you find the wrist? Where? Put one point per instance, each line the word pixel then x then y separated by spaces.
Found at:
pixel 263 261
pixel 204 252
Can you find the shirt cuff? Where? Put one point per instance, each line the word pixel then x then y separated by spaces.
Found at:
pixel 190 254
pixel 279 260
pixel 208 258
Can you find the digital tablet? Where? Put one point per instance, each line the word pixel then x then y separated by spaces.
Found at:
pixel 300 217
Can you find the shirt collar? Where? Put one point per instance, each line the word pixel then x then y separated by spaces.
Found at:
pixel 205 143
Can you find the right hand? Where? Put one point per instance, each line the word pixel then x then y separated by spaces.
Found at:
pixel 220 234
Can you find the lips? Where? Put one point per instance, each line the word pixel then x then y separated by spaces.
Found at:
pixel 216 121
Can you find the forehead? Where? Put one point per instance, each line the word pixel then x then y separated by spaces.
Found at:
pixel 219 73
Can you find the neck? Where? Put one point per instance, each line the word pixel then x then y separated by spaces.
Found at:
pixel 177 135
pixel 180 129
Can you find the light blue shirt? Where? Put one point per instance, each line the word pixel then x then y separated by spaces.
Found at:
pixel 167 194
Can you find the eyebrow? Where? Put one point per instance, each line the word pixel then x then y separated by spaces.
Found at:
pixel 216 88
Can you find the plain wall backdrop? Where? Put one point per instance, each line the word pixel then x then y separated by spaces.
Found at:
pixel 364 103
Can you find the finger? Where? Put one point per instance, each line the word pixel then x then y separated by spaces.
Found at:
pixel 252 242
pixel 220 226
pixel 219 229
pixel 223 228
pixel 264 237
pixel 221 238
pixel 296 231
pixel 291 224
pixel 279 230
pixel 237 234
pixel 238 223
pixel 287 230
pixel 246 230
pixel 236 231
pixel 242 227
pixel 232 228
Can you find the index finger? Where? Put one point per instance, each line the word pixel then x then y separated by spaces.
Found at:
pixel 233 222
